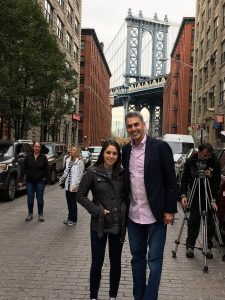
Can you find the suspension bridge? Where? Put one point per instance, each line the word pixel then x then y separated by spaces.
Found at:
pixel 136 58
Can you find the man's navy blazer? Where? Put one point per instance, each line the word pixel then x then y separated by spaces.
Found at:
pixel 159 177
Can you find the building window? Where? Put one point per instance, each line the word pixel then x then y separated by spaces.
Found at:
pixel 224 15
pixel 76 25
pixel 192 56
pixel 212 96
pixel 201 49
pixel 204 102
pixel 215 28
pixel 203 20
pixel 81 79
pixel 69 42
pixel 200 77
pixel 78 4
pixel 206 73
pixel 75 52
pixel 192 36
pixel 82 61
pixel 209 10
pixel 213 59
pixel 199 106
pixel 208 38
pixel 222 90
pixel 48 12
pixel 191 76
pixel 69 13
pixel 223 52
pixel 82 45
pixel 61 3
pixel 59 29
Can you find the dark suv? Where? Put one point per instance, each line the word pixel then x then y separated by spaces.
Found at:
pixel 12 155
pixel 56 154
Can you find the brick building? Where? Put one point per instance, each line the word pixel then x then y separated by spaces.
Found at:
pixel 95 109
pixel 177 94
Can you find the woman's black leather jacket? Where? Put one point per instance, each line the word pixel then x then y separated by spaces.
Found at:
pixel 107 194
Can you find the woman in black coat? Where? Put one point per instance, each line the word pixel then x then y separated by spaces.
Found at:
pixel 108 215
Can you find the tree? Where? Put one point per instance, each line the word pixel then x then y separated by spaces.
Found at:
pixel 34 78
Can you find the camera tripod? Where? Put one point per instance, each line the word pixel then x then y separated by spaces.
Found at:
pixel 198 181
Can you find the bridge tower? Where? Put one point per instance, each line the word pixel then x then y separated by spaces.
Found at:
pixel 136 27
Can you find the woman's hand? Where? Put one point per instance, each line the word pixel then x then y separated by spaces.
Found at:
pixel 106 211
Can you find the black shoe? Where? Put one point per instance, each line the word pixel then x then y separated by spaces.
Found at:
pixel 209 254
pixel 65 221
pixel 29 217
pixel 41 218
pixel 190 253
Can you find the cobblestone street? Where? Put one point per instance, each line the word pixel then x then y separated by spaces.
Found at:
pixel 51 261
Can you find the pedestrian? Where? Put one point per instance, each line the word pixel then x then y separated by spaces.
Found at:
pixel 205 159
pixel 151 198
pixel 108 216
pixel 71 176
pixel 37 174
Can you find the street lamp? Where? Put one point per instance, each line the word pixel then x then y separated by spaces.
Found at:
pixel 164 59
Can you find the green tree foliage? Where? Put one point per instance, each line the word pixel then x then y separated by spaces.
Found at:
pixel 34 78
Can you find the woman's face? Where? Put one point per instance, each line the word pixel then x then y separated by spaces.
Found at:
pixel 37 148
pixel 73 153
pixel 110 156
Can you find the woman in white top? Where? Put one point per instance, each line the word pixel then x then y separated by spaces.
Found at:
pixel 73 174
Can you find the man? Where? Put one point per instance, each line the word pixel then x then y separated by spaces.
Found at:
pixel 151 197
pixel 205 160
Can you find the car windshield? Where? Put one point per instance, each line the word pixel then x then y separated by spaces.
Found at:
pixel 95 149
pixel 6 150
pixel 180 148
pixel 47 149
pixel 85 153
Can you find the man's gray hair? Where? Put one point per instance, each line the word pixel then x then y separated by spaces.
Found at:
pixel 132 114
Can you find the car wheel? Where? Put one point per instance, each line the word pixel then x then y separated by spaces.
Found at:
pixel 53 176
pixel 10 193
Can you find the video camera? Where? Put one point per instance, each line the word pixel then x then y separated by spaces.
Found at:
pixel 200 170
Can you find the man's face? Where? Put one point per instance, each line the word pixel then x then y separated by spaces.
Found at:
pixel 204 154
pixel 135 129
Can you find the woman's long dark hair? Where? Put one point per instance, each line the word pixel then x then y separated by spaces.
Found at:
pixel 117 164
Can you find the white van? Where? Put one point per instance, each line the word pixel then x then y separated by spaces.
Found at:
pixel 179 143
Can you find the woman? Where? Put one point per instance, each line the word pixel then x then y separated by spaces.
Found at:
pixel 108 215
pixel 72 176
pixel 36 169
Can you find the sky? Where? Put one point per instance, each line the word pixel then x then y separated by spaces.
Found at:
pixel 107 17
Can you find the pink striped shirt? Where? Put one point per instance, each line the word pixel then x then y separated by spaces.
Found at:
pixel 139 211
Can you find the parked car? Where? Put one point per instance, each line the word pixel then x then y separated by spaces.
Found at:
pixel 87 158
pixel 56 154
pixel 12 155
pixel 95 151
pixel 179 164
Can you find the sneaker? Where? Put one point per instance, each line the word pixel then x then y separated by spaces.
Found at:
pixel 65 222
pixel 29 218
pixel 190 253
pixel 112 298
pixel 209 254
pixel 70 223
pixel 41 218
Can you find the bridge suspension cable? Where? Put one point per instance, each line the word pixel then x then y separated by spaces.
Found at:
pixel 116 56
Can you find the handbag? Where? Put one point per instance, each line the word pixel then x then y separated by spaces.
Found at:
pixel 62 182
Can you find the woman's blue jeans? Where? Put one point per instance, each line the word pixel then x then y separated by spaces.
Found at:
pixel 37 188
pixel 141 238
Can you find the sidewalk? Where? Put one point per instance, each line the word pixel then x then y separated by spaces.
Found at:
pixel 51 261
